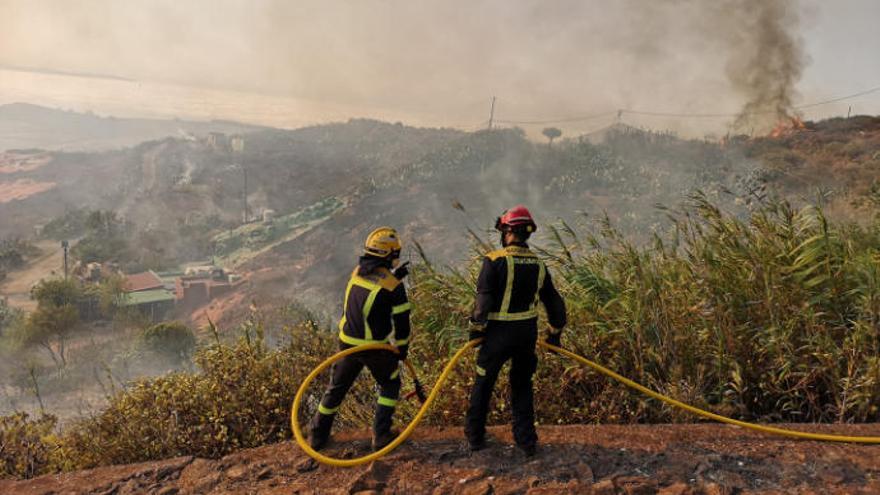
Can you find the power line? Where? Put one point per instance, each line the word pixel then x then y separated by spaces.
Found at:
pixel 834 100
pixel 679 114
pixel 560 120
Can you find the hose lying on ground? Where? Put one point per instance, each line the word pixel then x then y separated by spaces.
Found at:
pixel 301 440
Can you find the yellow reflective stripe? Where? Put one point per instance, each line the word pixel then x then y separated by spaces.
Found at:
pixel 368 306
pixel 503 314
pixel 366 284
pixel 401 308
pixel 519 251
pixel 385 401
pixel 523 315
pixel 508 287
pixel 345 303
pixel 396 373
pixel 400 342
pixel 327 410
pixel 542 272
pixel 481 371
pixel 356 341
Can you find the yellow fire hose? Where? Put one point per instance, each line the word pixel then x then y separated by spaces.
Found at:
pixel 300 439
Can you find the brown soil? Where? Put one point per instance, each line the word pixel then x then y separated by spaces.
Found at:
pixel 17 285
pixel 670 459
pixel 22 188
pixel 11 163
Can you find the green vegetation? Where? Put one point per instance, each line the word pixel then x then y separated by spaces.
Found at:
pixel 770 318
pixel 737 302
pixel 551 133
pixel 243 242
pixel 239 398
pixel 26 445
pixel 9 318
pixel 70 225
pixel 55 318
pixel 171 340
pixel 104 239
pixel 13 254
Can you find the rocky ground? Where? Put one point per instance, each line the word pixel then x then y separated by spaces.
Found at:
pixel 670 459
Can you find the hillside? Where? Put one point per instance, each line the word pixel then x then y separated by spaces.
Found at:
pixel 185 197
pixel 26 126
pixel 665 459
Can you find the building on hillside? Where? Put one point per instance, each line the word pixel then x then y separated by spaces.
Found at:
pixel 149 293
pixel 137 282
pixel 155 304
pixel 201 284
pixel 217 141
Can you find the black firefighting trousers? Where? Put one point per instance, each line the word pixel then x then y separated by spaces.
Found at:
pixel 514 341
pixel 383 365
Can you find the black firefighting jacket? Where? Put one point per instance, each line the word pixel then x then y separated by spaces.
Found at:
pixel 376 308
pixel 511 282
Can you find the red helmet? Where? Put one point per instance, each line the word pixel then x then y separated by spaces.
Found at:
pixel 517 219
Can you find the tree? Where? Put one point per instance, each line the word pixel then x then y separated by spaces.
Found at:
pixel 9 317
pixel 104 240
pixel 55 318
pixel 171 340
pixel 109 293
pixel 551 133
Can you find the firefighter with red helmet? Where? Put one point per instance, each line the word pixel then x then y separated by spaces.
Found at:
pixel 511 282
pixel 375 311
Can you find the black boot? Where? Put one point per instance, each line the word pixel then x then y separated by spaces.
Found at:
pixel 382 434
pixel 319 430
pixel 529 449
pixel 477 444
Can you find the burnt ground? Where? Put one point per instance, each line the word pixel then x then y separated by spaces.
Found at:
pixel 669 459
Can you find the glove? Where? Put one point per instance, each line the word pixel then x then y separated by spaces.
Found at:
pixel 553 339
pixel 477 329
pixel 401 271
pixel 402 352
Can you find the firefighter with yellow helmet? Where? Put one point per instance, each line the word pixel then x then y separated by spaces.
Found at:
pixel 375 310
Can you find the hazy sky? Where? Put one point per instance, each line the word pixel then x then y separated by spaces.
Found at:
pixel 288 63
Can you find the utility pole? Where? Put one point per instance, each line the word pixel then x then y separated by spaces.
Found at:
pixel 65 245
pixel 246 213
pixel 237 143
pixel 849 112
pixel 492 113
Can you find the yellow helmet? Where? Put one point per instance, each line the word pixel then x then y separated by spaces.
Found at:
pixel 382 242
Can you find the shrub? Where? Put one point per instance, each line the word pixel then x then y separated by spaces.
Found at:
pixel 171 340
pixel 239 398
pixel 26 445
pixel 772 317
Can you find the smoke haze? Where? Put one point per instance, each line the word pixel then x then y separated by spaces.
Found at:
pixel 436 63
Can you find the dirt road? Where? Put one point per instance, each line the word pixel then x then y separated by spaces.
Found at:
pixel 18 283
pixel 669 459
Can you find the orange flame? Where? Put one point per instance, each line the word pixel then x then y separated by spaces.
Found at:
pixel 793 124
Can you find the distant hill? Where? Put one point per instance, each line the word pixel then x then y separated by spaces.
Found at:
pixel 24 126
pixel 326 186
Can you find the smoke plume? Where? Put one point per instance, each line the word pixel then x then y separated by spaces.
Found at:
pixel 766 61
